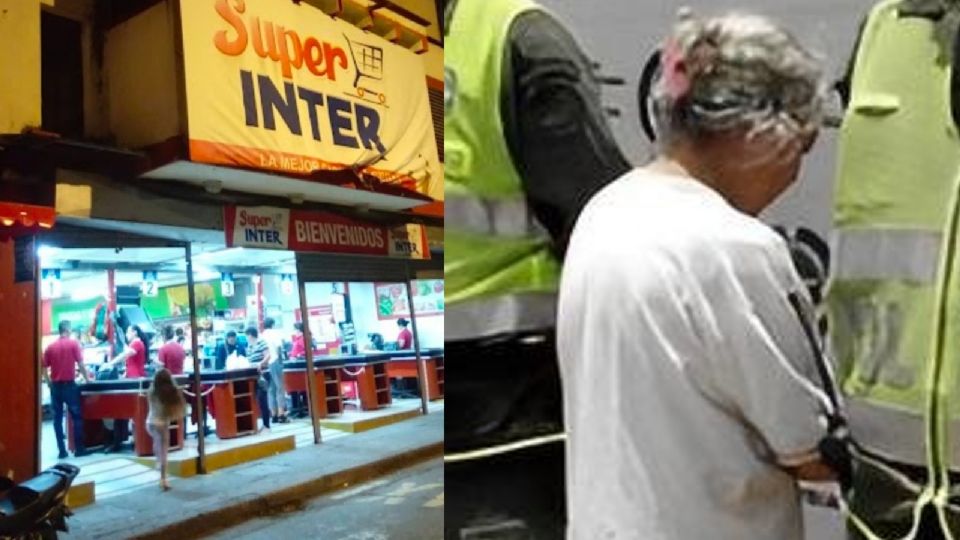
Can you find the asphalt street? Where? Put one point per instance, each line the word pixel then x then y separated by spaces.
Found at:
pixel 407 505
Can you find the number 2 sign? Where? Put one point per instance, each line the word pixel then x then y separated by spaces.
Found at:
pixel 149 286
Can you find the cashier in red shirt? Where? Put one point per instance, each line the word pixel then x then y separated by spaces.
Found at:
pixel 135 353
pixel 135 356
pixel 405 337
pixel 171 355
pixel 299 350
pixel 64 359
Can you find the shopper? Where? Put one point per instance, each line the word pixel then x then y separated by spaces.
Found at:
pixel 259 356
pixel 405 337
pixel 62 361
pixel 277 392
pixel 374 341
pixel 171 354
pixel 166 405
pixel 228 346
pixel 691 391
pixel 298 351
pixel 181 337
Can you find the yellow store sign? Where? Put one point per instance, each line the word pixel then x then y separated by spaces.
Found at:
pixel 284 87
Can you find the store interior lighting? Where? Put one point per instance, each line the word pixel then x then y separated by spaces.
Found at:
pixel 203 273
pixel 46 252
pixel 81 295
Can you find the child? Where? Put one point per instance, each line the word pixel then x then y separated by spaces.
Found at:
pixel 166 404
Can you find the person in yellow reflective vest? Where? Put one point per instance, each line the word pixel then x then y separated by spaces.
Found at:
pixel 893 305
pixel 526 145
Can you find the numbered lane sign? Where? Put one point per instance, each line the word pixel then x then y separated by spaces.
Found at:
pixel 149 287
pixel 286 284
pixel 226 284
pixel 51 286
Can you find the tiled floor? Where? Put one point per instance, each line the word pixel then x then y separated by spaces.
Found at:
pixel 118 474
pixel 300 428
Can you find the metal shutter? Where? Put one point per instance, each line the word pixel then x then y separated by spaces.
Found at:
pixel 323 268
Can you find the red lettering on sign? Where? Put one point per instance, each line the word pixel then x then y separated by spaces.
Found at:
pixel 237 46
pixel 280 45
pixel 255 221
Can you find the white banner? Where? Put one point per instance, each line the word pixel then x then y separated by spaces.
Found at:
pixel 281 86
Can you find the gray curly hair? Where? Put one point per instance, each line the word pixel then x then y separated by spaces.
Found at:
pixel 734 71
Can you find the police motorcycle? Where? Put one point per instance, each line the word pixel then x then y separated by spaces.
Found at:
pixel 36 509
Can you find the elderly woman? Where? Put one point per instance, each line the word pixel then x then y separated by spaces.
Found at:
pixel 690 388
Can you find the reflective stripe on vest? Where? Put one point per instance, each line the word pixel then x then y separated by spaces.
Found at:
pixel 903 254
pixel 507 217
pixel 892 433
pixel 500 315
pixel 896 434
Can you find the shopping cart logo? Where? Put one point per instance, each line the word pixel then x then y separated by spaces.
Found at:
pixel 368 60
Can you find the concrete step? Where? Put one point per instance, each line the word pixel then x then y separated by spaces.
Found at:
pixel 225 454
pixel 352 422
pixel 81 494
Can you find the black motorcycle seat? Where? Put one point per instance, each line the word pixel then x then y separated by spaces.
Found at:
pixel 6 483
pixel 31 505
pixel 44 483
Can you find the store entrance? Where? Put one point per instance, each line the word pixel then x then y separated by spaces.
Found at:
pixel 92 299
pixel 239 321
pixel 98 294
pixel 377 336
pixel 189 305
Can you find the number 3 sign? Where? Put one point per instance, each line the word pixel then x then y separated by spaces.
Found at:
pixel 226 284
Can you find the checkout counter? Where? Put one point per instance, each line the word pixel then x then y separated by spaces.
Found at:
pixel 403 365
pixel 367 371
pixel 234 399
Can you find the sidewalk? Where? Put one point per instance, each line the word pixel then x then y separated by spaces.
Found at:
pixel 206 503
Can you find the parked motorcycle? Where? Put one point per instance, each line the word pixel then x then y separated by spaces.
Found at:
pixel 36 509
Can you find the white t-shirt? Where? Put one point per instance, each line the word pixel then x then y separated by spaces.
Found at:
pixel 274 340
pixel 687 376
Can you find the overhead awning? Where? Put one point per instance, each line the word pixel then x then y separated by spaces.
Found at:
pixel 215 178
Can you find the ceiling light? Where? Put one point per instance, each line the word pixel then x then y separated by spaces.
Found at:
pixel 85 293
pixel 46 252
